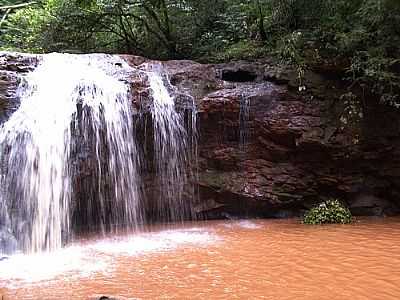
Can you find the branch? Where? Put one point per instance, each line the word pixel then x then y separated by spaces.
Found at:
pixel 4 16
pixel 16 5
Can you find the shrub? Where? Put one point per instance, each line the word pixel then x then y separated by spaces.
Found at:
pixel 245 49
pixel 331 211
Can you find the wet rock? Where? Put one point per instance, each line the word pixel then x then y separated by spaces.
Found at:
pixel 8 243
pixel 297 150
pixel 370 205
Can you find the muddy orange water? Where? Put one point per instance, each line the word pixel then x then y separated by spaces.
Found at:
pixel 252 259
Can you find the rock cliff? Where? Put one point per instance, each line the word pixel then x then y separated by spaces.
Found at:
pixel 265 148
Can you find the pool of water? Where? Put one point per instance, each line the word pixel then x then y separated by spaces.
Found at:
pixel 251 259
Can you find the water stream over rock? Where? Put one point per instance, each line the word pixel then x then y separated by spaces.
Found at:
pixel 244 117
pixel 171 144
pixel 85 121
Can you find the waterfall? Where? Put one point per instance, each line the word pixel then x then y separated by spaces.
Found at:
pixel 68 102
pixel 72 157
pixel 174 147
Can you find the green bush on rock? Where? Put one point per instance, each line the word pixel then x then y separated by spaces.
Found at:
pixel 331 211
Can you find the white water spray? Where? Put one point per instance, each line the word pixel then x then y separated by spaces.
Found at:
pixel 172 148
pixel 36 147
pixel 70 157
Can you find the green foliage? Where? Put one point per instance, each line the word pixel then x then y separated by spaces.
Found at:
pixel 153 28
pixel 331 211
pixel 245 49
pixel 290 50
pixel 24 30
pixel 365 34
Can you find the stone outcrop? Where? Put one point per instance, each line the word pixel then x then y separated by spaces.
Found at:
pixel 298 147
pixel 266 149
pixel 12 64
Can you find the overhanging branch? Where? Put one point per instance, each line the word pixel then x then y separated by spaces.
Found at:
pixel 9 7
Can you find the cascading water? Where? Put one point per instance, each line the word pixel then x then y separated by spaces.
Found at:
pixel 173 148
pixel 67 100
pixel 244 117
pixel 71 157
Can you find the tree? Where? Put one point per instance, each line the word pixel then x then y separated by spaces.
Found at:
pixel 6 8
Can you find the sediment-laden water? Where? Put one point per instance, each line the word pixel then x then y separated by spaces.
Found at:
pixel 257 259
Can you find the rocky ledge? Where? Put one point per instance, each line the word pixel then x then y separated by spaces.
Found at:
pixel 267 149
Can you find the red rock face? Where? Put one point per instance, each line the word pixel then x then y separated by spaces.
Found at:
pixel 297 150
pixel 289 150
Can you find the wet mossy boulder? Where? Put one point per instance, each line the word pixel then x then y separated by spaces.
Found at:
pixel 328 212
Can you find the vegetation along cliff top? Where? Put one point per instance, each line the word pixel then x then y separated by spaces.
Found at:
pixel 356 40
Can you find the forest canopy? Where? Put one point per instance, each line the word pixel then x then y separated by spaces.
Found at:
pixel 360 36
